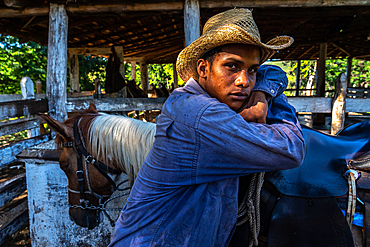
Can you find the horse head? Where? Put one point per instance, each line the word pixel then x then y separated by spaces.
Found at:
pixel 96 148
pixel 86 190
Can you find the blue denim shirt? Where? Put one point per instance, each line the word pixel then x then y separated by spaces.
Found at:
pixel 186 191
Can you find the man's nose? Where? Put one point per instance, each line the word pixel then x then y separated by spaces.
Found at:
pixel 243 79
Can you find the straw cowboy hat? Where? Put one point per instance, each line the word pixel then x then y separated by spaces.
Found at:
pixel 231 26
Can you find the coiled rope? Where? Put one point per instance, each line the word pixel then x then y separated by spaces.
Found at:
pixel 249 209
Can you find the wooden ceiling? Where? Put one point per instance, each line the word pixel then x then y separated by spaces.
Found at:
pixel 155 29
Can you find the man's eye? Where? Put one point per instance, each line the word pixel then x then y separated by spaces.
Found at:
pixel 231 65
pixel 253 70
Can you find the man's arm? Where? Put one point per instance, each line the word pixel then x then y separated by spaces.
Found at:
pixel 230 146
pixel 271 82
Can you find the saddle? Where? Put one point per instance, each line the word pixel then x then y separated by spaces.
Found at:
pixel 321 173
pixel 306 212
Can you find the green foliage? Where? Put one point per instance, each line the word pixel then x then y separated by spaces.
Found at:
pixel 360 76
pixel 19 60
pixel 90 68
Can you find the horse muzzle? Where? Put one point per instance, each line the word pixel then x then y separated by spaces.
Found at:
pixel 89 218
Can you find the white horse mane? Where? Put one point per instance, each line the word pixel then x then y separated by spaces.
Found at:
pixel 123 140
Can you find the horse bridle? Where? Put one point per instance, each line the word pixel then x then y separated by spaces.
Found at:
pixel 79 146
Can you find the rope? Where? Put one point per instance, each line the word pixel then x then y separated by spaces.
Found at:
pixel 249 209
pixel 351 206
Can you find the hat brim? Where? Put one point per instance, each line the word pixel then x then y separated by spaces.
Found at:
pixel 186 63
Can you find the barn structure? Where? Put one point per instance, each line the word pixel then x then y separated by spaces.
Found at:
pixel 145 32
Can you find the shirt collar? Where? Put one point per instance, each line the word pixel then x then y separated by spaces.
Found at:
pixel 193 86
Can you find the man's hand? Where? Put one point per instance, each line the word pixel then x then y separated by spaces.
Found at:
pixel 255 109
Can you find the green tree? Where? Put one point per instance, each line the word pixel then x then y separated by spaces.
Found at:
pixel 18 60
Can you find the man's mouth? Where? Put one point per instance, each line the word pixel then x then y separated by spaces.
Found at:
pixel 239 96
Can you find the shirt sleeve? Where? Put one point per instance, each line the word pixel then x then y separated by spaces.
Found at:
pixel 229 146
pixel 271 79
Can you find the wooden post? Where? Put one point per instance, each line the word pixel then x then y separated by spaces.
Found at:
pixel 47 189
pixel 175 77
pixel 320 86
pixel 39 91
pixel 119 51
pixel 144 76
pixel 38 86
pixel 349 71
pixel 298 78
pixel 27 88
pixel 28 92
pixel 56 77
pixel 133 71
pixel 74 73
pixel 339 104
pixel 97 84
pixel 191 21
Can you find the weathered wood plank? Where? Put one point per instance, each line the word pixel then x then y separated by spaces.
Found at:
pixel 37 153
pixel 17 97
pixel 117 104
pixel 191 21
pixel 323 105
pixel 311 104
pixel 13 209
pixel 12 188
pixel 176 5
pixel 56 76
pixel 357 105
pixel 22 108
pixel 8 153
pixel 339 104
pixel 14 126
pixel 13 226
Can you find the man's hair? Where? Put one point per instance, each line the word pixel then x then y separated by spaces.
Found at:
pixel 210 55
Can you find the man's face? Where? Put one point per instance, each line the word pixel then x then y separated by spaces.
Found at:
pixel 232 75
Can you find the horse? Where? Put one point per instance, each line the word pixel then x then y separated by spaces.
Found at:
pixel 327 157
pixel 120 142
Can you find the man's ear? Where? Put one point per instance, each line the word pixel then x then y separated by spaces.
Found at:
pixel 202 68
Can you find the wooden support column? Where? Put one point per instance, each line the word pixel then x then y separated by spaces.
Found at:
pixel 349 71
pixel 38 86
pixel 320 86
pixel 339 104
pixel 133 71
pixel 119 51
pixel 144 76
pixel 56 76
pixel 74 73
pixel 175 77
pixel 298 78
pixel 191 21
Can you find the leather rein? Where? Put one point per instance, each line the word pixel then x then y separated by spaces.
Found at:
pixel 79 146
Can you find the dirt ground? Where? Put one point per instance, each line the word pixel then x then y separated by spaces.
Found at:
pixel 20 238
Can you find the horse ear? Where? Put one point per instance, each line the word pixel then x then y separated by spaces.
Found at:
pixel 93 108
pixel 62 129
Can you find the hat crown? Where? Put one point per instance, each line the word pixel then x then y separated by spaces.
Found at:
pixel 240 17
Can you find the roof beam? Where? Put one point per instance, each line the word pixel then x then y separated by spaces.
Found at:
pixel 72 8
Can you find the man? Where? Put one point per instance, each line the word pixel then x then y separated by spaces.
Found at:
pixel 186 191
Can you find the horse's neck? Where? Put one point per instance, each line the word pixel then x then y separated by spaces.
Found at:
pixel 121 142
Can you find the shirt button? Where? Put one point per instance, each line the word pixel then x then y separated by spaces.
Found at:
pixel 272 91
